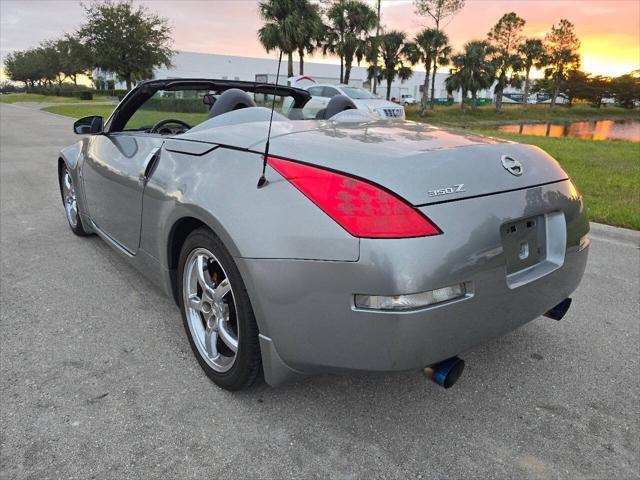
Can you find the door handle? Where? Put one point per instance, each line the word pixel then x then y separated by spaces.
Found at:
pixel 148 166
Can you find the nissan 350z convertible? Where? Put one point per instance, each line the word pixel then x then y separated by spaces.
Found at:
pixel 298 242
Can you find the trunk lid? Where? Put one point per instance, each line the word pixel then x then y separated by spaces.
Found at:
pixel 423 164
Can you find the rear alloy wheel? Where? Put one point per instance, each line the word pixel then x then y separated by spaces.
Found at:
pixel 70 202
pixel 217 314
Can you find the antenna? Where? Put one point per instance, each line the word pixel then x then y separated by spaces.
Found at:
pixel 263 180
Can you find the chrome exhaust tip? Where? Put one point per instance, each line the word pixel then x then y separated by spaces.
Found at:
pixel 445 373
pixel 560 310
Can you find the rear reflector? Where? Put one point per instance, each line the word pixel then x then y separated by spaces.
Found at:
pixel 361 208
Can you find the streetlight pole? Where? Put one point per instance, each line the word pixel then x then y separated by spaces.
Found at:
pixel 375 60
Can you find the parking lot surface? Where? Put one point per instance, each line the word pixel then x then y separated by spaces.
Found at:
pixel 98 380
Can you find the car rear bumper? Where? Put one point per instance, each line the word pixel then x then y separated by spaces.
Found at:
pixel 308 321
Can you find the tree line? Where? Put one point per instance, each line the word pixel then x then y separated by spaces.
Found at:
pixel 506 58
pixel 351 30
pixel 115 37
pixel 52 62
pixel 132 41
pixel 345 28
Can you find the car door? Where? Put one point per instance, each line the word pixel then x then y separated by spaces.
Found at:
pixel 113 175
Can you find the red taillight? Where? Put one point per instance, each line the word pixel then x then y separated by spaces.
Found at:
pixel 361 208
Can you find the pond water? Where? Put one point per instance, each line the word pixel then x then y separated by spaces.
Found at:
pixel 598 130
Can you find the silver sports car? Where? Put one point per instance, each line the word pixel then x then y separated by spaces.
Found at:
pixel 296 245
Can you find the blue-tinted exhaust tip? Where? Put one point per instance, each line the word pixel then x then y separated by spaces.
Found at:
pixel 560 310
pixel 445 373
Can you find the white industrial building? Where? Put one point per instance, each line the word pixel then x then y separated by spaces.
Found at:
pixel 227 67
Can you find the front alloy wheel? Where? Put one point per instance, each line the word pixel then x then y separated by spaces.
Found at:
pixel 70 202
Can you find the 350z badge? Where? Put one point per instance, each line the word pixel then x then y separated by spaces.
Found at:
pixel 458 188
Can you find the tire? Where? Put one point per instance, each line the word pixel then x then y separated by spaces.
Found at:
pixel 218 316
pixel 70 202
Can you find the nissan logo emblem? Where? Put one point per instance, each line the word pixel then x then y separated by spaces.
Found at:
pixel 512 165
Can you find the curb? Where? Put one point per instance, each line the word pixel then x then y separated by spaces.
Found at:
pixel 607 232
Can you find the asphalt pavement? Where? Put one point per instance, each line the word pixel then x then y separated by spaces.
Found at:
pixel 98 380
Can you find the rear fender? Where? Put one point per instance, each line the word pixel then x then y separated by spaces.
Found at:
pixel 219 189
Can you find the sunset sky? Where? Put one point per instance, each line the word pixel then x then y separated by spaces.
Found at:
pixel 609 29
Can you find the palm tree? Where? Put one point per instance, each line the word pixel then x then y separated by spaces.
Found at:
pixel 441 56
pixel 350 23
pixel 332 44
pixel 472 71
pixel 532 52
pixel 394 52
pixel 310 31
pixel 375 58
pixel 290 26
pixel 422 51
pixel 372 57
pixel 278 32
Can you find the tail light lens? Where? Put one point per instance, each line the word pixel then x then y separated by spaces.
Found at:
pixel 361 208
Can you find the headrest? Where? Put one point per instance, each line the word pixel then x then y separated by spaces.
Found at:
pixel 230 100
pixel 337 104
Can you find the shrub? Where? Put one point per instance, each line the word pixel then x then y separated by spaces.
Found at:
pixel 120 93
pixel 173 104
pixel 85 95
pixel 60 91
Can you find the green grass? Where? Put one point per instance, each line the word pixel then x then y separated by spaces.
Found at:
pixel 79 111
pixel 607 172
pixel 141 119
pixel 487 117
pixel 36 98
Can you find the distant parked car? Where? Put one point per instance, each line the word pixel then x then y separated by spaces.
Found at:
pixel 363 99
pixel 407 99
pixel 545 98
pixel 513 98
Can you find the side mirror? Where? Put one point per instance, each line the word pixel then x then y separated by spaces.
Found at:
pixel 88 125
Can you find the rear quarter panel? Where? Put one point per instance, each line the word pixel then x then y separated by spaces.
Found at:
pixel 219 189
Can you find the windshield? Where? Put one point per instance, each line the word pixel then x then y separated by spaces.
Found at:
pixel 184 105
pixel 358 93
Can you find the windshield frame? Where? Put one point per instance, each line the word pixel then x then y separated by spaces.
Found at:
pixel 145 90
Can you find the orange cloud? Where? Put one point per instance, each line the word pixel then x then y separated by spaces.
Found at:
pixel 608 29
